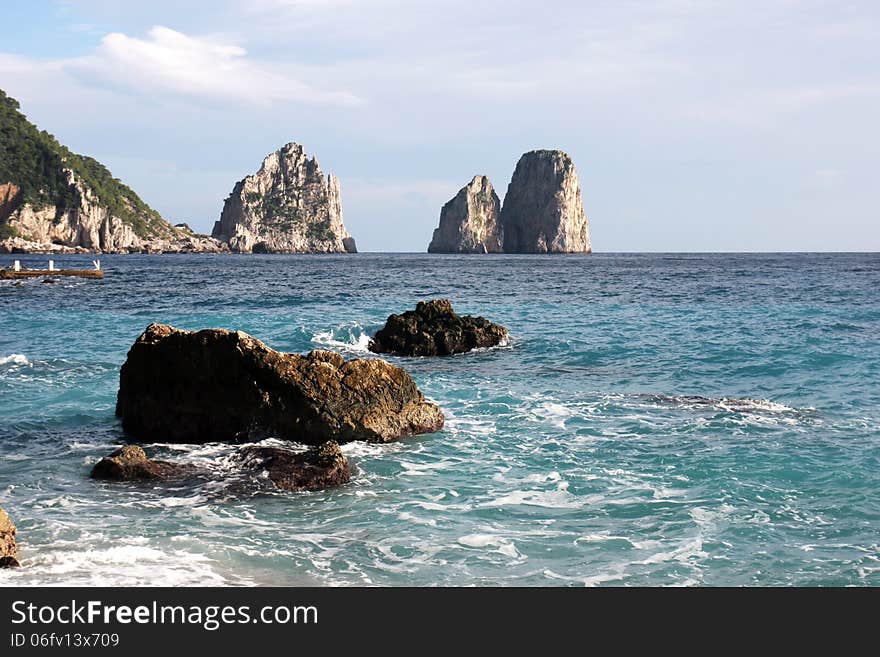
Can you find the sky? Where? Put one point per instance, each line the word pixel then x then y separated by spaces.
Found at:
pixel 694 125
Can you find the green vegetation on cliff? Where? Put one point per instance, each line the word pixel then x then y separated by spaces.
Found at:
pixel 33 160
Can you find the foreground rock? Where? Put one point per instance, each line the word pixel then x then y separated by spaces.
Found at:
pixel 470 223
pixel 317 468
pixel 130 463
pixel 314 469
pixel 288 206
pixel 8 549
pixel 435 329
pixel 217 385
pixel 543 211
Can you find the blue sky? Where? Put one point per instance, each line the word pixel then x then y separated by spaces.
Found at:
pixel 694 125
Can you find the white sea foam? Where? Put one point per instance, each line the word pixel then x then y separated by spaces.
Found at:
pixel 14 359
pixel 131 562
pixel 555 414
pixel 347 337
pixel 683 553
pixel 551 499
pixel 730 404
pixel 501 545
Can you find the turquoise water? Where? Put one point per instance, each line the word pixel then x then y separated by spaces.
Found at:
pixel 656 420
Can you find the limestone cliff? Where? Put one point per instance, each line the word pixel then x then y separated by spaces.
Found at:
pixel 53 199
pixel 288 206
pixel 469 223
pixel 543 211
pixel 83 221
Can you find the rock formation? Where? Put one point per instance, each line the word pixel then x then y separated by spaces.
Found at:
pixel 543 211
pixel 320 467
pixel 55 201
pixel 288 206
pixel 313 469
pixel 8 549
pixel 130 463
pixel 469 223
pixel 215 385
pixel 435 329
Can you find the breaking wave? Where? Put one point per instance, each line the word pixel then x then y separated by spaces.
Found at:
pixel 350 336
pixel 14 359
pixel 745 405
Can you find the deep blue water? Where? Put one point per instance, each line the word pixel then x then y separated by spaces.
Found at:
pixel 656 420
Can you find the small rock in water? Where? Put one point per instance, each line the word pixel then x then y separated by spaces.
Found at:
pixel 435 329
pixel 8 548
pixel 130 463
pixel 317 468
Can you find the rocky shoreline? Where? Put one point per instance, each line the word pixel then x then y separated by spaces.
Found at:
pixel 193 244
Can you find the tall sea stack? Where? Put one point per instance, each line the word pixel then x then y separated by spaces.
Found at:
pixel 469 223
pixel 543 211
pixel 288 206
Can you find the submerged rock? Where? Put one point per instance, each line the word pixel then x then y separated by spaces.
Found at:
pixel 317 468
pixel 543 211
pixel 216 385
pixel 8 548
pixel 130 463
pixel 469 223
pixel 313 469
pixel 435 329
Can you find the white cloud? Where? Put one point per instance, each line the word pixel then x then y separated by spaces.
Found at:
pixel 170 62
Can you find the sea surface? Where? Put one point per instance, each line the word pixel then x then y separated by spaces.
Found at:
pixel 656 420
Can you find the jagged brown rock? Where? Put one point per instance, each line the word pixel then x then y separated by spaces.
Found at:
pixel 435 329
pixel 469 223
pixel 8 548
pixel 543 210
pixel 313 469
pixel 130 463
pixel 218 385
pixel 288 206
pixel 317 468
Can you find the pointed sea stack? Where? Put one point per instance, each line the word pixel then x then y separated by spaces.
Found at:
pixel 288 206
pixel 543 211
pixel 469 223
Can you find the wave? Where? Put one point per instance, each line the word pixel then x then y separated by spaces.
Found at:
pixel 14 359
pixel 481 541
pixel 736 405
pixel 132 562
pixel 350 336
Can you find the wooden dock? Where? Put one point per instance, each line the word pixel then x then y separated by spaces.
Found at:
pixel 6 274
pixel 18 271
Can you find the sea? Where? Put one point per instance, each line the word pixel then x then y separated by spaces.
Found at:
pixel 655 420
